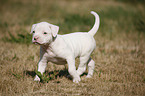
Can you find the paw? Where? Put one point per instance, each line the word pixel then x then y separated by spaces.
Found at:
pixel 89 76
pixel 76 79
pixel 37 78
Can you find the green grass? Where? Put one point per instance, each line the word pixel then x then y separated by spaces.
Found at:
pixel 21 38
pixel 122 20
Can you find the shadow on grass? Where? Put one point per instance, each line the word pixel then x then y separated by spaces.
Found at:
pixel 52 75
pixel 30 73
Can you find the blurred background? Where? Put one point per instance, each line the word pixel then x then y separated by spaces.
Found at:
pixel 117 16
pixel 119 55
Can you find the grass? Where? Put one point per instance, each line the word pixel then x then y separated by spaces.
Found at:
pixel 119 56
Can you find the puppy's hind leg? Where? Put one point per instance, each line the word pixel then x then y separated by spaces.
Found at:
pixel 82 67
pixel 91 66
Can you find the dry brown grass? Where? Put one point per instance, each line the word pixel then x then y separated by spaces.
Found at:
pixel 119 56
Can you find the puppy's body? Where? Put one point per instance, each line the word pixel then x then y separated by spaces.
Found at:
pixel 76 44
pixel 63 49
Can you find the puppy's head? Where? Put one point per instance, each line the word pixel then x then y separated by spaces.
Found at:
pixel 43 33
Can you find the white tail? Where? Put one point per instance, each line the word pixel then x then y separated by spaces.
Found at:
pixel 96 25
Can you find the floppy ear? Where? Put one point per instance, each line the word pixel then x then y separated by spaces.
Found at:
pixel 32 29
pixel 54 29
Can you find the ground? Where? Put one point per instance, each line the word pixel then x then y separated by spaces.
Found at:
pixel 119 56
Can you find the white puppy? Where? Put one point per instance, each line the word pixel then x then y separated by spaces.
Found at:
pixel 63 49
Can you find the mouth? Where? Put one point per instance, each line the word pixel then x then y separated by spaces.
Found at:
pixel 36 43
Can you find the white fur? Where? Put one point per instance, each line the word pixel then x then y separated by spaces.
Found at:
pixel 63 49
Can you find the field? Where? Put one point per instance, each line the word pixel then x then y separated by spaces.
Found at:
pixel 119 55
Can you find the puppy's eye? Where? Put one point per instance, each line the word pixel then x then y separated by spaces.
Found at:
pixel 44 33
pixel 33 31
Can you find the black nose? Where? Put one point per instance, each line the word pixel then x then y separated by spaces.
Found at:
pixel 35 38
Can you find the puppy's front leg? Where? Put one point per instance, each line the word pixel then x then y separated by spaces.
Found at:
pixel 72 69
pixel 42 63
pixel 41 67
